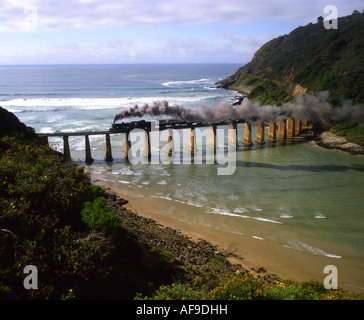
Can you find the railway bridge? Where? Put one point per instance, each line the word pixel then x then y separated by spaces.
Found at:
pixel 285 129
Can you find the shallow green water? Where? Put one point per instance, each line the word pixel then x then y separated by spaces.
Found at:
pixel 298 195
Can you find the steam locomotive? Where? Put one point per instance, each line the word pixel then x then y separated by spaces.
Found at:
pixel 128 126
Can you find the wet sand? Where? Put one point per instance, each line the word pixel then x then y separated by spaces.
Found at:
pixel 251 253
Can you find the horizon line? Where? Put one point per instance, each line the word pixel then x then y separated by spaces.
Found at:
pixel 116 64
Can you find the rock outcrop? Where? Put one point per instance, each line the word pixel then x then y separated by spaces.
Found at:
pixel 329 140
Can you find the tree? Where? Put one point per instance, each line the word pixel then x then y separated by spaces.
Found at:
pixel 320 19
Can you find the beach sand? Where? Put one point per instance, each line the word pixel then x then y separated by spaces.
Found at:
pixel 251 253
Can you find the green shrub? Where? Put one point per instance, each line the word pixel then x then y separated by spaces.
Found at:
pixel 100 218
pixel 174 292
pixel 246 287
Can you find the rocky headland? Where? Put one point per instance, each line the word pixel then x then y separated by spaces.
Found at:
pixel 329 140
pixel 308 60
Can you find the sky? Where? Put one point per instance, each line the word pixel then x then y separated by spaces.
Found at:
pixel 150 31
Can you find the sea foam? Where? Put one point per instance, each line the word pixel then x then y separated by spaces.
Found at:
pixel 184 82
pixel 58 104
pixel 301 246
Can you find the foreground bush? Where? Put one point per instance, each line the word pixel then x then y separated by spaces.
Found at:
pixel 100 218
pixel 246 287
pixel 51 217
pixel 40 202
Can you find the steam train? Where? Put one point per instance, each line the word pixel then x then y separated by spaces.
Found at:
pixel 128 126
pixel 163 124
pixel 146 125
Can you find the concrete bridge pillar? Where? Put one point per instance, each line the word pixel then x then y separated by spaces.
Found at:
pixel 127 145
pixel 290 127
pixel 234 135
pixel 298 126
pixel 44 140
pixel 147 148
pixel 108 152
pixel 272 136
pixel 170 146
pixel 248 134
pixel 213 140
pixel 66 149
pixel 88 150
pixel 282 130
pixel 192 141
pixel 260 134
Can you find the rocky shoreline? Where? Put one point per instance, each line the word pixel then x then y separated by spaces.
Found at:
pixel 329 140
pixel 199 257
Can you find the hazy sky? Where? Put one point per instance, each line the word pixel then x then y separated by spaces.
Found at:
pixel 149 31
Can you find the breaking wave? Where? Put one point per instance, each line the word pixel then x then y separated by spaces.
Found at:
pixel 301 246
pixel 188 82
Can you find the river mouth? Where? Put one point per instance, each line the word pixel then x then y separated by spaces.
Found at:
pixel 284 208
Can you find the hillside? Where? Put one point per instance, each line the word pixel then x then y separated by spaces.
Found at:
pixel 309 59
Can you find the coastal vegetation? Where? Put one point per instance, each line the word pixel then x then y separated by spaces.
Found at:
pixel 86 245
pixel 52 217
pixel 246 287
pixel 310 59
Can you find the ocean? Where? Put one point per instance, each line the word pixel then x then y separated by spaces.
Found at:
pixel 300 207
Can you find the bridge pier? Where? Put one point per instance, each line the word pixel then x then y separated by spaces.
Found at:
pixel 248 134
pixel 298 126
pixel 234 135
pixel 282 130
pixel 260 134
pixel 88 150
pixel 213 140
pixel 147 147
pixel 170 147
pixel 108 153
pixel 290 127
pixel 44 140
pixel 66 149
pixel 127 145
pixel 272 132
pixel 191 146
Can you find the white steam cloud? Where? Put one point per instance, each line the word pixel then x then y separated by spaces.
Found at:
pixel 312 108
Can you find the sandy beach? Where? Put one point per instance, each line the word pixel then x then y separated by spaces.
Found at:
pixel 251 253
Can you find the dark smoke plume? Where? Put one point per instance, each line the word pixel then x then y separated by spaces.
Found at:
pixel 312 108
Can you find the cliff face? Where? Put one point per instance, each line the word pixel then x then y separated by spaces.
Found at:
pixel 309 59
